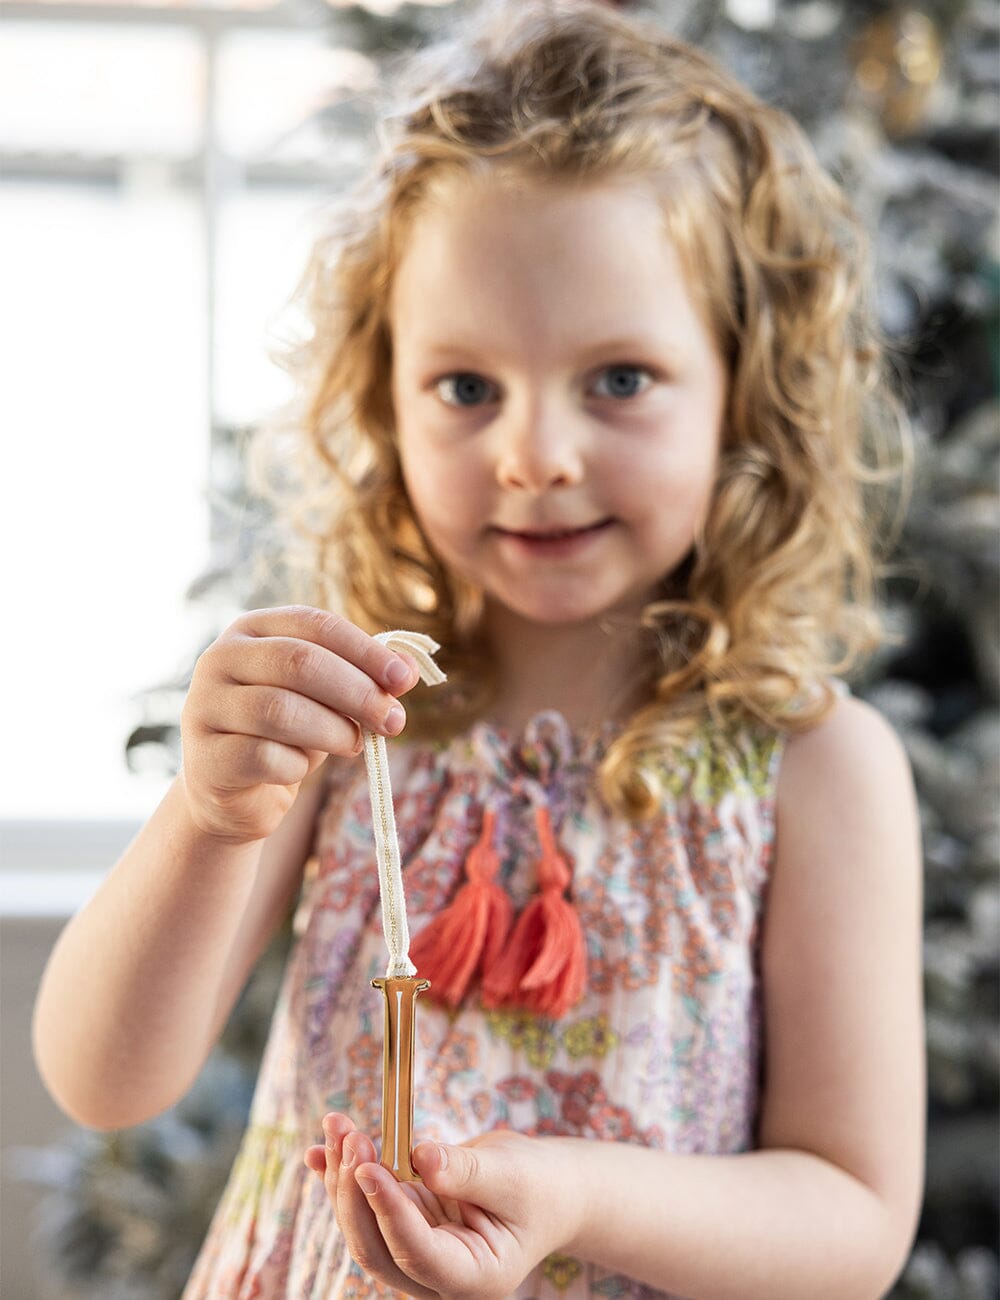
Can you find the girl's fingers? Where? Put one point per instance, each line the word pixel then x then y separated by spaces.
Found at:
pixel 344 1150
pixel 358 1222
pixel 315 1159
pixel 335 634
pixel 242 762
pixel 353 1215
pixel 433 1210
pixel 439 1260
pixel 329 684
pixel 348 678
pixel 275 714
pixel 335 1129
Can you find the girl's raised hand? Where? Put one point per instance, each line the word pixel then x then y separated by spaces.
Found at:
pixel 485 1215
pixel 270 698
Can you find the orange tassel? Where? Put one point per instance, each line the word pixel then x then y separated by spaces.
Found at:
pixel 545 965
pixel 471 930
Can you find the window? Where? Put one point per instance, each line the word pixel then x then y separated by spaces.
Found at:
pixel 161 170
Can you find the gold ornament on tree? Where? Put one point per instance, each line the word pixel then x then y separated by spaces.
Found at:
pixel 897 63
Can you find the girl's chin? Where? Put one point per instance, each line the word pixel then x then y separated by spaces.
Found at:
pixel 555 611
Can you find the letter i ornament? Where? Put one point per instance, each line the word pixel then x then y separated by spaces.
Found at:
pixel 401 984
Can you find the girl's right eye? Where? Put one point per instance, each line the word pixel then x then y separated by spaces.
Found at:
pixel 463 389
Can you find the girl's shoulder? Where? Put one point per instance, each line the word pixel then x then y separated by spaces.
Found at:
pixel 853 749
pixel 740 754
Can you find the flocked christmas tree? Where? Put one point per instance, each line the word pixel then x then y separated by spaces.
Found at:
pixel 901 103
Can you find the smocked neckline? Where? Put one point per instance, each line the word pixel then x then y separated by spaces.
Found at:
pixel 545 716
pixel 546 750
pixel 548 720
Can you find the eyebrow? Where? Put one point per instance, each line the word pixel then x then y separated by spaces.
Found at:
pixel 622 346
pixel 631 345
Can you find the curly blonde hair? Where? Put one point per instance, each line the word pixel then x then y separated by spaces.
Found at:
pixel 778 592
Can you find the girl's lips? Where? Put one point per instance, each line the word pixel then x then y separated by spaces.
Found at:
pixel 554 544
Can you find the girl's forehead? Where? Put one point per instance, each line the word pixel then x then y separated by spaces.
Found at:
pixel 550 261
pixel 500 231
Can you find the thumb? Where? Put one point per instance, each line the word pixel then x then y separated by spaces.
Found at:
pixel 484 1176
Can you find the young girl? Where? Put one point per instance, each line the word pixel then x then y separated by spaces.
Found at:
pixel 590 399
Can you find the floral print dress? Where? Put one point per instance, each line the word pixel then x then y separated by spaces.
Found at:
pixel 663 1050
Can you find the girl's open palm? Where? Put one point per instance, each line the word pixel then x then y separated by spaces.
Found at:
pixel 485 1215
pixel 270 698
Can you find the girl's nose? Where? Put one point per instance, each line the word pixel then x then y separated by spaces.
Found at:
pixel 540 448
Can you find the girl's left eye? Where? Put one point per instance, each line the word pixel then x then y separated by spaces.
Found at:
pixel 623 381
pixel 463 389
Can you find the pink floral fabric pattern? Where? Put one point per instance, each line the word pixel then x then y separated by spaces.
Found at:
pixel 663 1050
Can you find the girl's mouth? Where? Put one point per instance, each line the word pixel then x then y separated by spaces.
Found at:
pixel 554 543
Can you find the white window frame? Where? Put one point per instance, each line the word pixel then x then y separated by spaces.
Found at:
pixel 50 867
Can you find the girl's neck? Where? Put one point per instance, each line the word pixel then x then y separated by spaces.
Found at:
pixel 589 672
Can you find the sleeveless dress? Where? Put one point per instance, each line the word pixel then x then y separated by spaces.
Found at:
pixel 664 1049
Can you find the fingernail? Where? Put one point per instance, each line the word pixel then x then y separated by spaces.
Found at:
pixel 367 1184
pixel 442 1155
pixel 395 720
pixel 398 674
pixel 347 1157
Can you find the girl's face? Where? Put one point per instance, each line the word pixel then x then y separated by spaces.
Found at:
pixel 558 398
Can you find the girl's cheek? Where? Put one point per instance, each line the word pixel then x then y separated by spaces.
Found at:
pixel 438 479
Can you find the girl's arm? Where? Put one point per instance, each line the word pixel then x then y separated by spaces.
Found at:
pixel 829 1205
pixel 827 1208
pixel 140 983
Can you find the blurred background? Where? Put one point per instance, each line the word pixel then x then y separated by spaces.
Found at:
pixel 162 172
